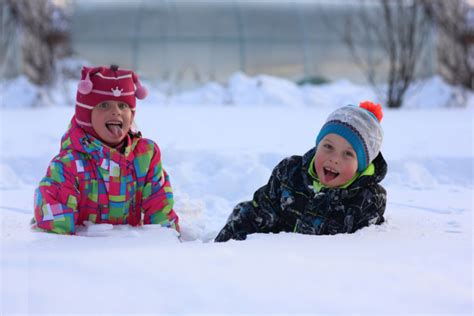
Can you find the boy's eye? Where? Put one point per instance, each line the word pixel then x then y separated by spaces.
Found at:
pixel 327 146
pixel 349 154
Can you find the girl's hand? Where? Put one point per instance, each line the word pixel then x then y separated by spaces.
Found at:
pixel 94 230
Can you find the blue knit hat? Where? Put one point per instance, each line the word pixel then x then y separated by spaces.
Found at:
pixel 360 126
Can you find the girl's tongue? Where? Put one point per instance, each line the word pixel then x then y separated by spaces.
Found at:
pixel 115 129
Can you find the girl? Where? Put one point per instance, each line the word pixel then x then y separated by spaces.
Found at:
pixel 105 171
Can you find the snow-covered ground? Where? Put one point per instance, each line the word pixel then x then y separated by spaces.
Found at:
pixel 418 262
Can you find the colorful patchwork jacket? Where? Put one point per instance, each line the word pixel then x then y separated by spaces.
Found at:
pixel 89 181
pixel 293 200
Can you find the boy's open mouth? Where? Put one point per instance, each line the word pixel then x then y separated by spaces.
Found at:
pixel 114 127
pixel 330 174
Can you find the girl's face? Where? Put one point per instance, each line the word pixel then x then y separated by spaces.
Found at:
pixel 112 120
pixel 335 161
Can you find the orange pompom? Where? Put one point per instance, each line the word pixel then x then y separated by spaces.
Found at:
pixel 375 109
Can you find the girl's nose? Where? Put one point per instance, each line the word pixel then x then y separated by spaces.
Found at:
pixel 115 110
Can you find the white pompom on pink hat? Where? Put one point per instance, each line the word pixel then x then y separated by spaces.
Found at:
pixel 99 84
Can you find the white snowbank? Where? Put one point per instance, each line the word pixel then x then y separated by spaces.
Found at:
pixel 219 144
pixel 18 93
pixel 418 262
pixel 242 90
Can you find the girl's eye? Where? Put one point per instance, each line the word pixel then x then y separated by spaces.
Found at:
pixel 123 106
pixel 103 105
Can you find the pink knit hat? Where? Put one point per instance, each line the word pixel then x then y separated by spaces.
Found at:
pixel 99 84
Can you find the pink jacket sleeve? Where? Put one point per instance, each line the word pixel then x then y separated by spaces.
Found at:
pixel 157 199
pixel 56 199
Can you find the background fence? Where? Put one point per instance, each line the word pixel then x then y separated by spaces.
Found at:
pixel 188 43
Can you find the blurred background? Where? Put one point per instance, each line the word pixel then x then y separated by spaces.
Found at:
pixel 191 42
pixel 186 44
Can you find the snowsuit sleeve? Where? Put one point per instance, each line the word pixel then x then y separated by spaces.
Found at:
pixel 56 199
pixel 157 200
pixel 260 215
pixel 346 215
pixel 373 203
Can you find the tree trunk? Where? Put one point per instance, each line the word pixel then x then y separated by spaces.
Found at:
pixel 398 32
pixel 45 37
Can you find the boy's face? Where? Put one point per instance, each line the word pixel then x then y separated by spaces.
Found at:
pixel 335 161
pixel 112 120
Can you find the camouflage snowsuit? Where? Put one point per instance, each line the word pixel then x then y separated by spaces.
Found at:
pixel 290 203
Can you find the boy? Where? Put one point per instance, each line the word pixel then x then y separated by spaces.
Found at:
pixel 334 188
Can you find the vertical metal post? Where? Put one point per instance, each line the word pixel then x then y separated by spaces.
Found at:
pixel 305 44
pixel 432 49
pixel 240 28
pixel 136 36
pixel 10 36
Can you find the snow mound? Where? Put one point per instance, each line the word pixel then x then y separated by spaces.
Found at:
pixel 241 90
pixel 9 179
pixel 18 93
pixel 263 90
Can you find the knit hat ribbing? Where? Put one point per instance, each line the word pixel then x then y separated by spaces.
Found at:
pixel 99 84
pixel 360 126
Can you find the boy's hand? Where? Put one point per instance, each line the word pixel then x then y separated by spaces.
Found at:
pixel 94 230
pixel 228 233
pixel 308 226
pixel 225 234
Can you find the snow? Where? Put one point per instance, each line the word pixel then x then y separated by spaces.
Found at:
pixel 219 144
